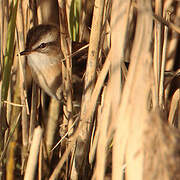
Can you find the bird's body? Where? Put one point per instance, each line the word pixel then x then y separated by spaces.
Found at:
pixel 44 58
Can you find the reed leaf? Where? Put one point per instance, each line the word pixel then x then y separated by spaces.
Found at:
pixel 8 59
pixel 74 19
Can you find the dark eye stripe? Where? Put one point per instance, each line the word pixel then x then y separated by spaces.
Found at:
pixel 53 43
pixel 43 45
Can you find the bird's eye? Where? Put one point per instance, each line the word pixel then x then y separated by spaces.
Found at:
pixel 43 45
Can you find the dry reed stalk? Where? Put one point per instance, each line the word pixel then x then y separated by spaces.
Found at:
pixel 39 15
pixel 10 163
pixel 82 19
pixel 40 161
pixel 25 109
pixel 118 40
pixel 171 51
pixel 95 135
pixel 22 67
pixel 97 89
pixel 157 50
pixel 3 39
pixel 16 111
pixel 4 26
pixel 1 32
pixel 10 137
pixel 119 22
pixel 65 43
pixel 26 15
pixel 91 63
pixel 52 121
pixel 1 29
pixel 90 75
pixel 47 12
pixel 173 108
pixel 68 10
pixel 35 95
pixel 85 19
pixel 51 124
pixel 163 64
pixel 11 153
pixel 132 113
pixel 33 156
pixel 25 113
pixel 93 103
pixel 66 69
pixel 34 111
pixel 102 140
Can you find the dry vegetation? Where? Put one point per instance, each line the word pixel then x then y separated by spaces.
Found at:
pixel 118 122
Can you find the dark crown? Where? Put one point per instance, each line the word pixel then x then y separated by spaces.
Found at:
pixel 36 33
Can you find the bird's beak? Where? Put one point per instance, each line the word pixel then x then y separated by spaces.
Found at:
pixel 25 52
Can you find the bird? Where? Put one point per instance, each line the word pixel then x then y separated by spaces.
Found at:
pixel 44 57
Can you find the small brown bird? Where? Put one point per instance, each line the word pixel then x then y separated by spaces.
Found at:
pixel 44 57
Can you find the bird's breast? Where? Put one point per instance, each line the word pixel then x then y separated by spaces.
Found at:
pixel 46 72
